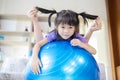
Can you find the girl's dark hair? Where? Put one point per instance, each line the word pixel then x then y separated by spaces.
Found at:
pixel 67 17
pixel 66 12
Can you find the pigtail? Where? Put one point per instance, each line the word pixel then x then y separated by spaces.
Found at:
pixel 51 12
pixel 49 19
pixel 88 16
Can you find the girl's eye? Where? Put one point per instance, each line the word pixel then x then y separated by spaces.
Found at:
pixel 62 27
pixel 70 27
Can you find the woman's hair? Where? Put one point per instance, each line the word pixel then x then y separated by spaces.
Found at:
pixel 67 17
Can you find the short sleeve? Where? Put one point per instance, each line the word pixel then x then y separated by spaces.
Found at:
pixel 51 36
pixel 81 38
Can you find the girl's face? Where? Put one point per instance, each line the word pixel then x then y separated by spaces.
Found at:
pixel 65 30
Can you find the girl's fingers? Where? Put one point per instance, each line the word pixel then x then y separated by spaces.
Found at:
pixel 34 69
pixel 40 64
pixel 74 42
pixel 32 12
pixel 37 69
pixel 98 23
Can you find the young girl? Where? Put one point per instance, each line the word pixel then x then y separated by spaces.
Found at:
pixel 67 28
pixel 33 14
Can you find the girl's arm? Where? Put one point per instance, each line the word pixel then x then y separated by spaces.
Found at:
pixel 36 63
pixel 33 14
pixel 86 46
pixel 37 31
pixel 96 26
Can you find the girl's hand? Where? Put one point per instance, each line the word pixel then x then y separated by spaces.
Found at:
pixel 33 14
pixel 86 46
pixel 76 42
pixel 96 26
pixel 36 64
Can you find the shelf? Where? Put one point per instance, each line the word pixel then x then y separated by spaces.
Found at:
pixel 13 43
pixel 14 33
pixel 45 19
pixel 14 17
pixel 23 17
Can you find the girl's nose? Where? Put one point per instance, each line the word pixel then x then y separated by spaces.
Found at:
pixel 66 30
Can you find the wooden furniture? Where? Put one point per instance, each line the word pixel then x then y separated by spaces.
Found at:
pixel 118 72
pixel 113 11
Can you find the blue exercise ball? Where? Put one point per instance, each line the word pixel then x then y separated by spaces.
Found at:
pixel 61 61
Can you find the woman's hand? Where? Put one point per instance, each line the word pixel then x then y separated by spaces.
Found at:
pixel 36 64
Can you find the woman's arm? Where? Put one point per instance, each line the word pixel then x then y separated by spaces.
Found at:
pixel 36 63
pixel 33 14
pixel 96 26
pixel 86 46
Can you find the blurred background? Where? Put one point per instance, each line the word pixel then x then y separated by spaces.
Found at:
pixel 16 35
